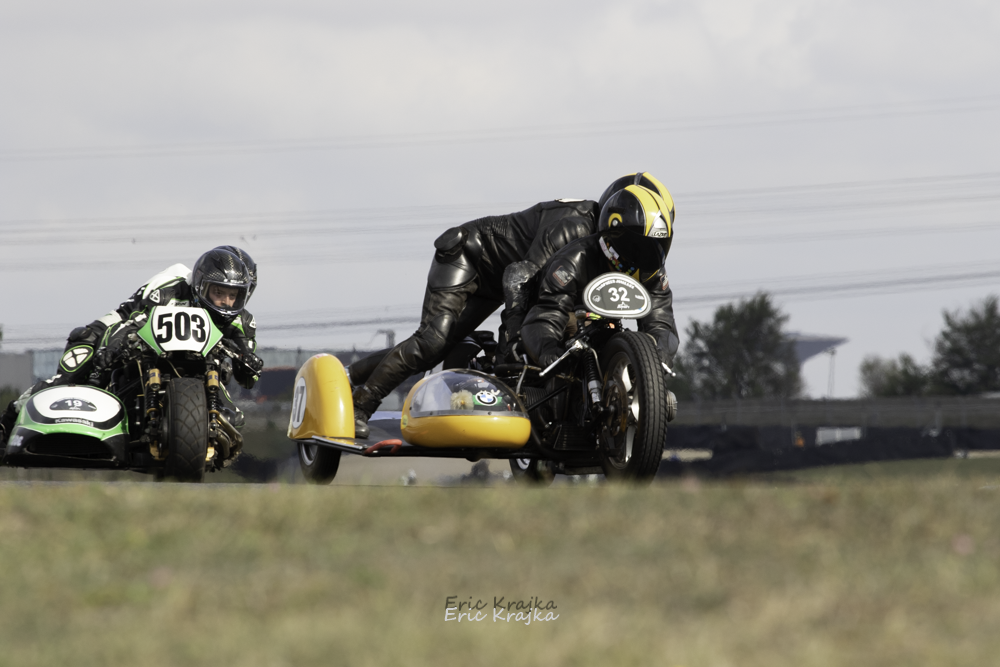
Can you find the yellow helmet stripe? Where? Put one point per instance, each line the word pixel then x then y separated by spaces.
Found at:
pixel 651 204
pixel 663 192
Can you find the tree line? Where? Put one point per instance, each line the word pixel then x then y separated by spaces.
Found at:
pixel 744 351
pixel 965 360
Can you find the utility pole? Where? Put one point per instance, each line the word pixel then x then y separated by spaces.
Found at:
pixel 829 389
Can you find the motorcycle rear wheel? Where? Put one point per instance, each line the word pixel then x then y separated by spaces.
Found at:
pixel 635 398
pixel 185 430
pixel 319 464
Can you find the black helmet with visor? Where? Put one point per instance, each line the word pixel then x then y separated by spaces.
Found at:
pixel 636 231
pixel 248 262
pixel 225 271
pixel 646 180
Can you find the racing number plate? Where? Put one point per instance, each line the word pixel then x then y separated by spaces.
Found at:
pixel 177 328
pixel 617 295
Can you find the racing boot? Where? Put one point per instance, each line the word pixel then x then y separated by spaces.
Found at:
pixel 365 402
pixel 7 423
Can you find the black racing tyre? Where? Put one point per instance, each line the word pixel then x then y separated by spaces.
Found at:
pixel 185 429
pixel 532 471
pixel 319 464
pixel 635 398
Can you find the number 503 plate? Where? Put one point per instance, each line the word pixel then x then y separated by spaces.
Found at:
pixel 177 329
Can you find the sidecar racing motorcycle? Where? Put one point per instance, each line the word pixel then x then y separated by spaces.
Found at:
pixel 159 412
pixel 603 407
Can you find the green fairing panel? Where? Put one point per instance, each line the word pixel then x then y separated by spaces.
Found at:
pixel 146 334
pixel 213 338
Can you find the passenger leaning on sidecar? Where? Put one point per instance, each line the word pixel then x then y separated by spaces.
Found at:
pixel 477 268
pixel 635 231
pixel 221 282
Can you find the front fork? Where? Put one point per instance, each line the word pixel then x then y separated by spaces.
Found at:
pixel 151 402
pixel 220 432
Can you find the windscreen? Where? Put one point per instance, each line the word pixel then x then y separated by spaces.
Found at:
pixel 463 393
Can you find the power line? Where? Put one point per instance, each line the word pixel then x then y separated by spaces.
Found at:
pixel 881 287
pixel 796 201
pixel 400 250
pixel 535 133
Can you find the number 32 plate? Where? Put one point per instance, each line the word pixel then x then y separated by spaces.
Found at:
pixel 617 295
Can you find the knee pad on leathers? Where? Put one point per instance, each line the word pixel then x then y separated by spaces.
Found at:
pixel 78 356
pixel 457 253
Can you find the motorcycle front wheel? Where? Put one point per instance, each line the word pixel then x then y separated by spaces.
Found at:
pixel 319 464
pixel 635 401
pixel 185 429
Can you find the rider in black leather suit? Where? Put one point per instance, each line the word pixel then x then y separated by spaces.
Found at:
pixel 478 267
pixel 472 264
pixel 635 232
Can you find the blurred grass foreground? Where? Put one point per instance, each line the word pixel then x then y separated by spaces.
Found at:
pixel 822 568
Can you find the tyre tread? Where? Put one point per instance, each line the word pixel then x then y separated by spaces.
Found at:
pixel 653 426
pixel 188 414
pixel 324 467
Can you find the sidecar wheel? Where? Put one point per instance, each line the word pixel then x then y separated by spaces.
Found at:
pixel 532 471
pixel 319 464
pixel 635 398
pixel 185 430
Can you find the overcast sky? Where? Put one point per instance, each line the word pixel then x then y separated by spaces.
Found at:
pixel 843 155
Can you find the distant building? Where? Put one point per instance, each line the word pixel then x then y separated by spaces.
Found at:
pixel 20 370
pixel 809 345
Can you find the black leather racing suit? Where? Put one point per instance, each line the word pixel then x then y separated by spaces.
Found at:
pixel 560 291
pixel 101 333
pixel 477 267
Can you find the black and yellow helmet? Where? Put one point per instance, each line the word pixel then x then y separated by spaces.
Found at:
pixel 646 180
pixel 636 228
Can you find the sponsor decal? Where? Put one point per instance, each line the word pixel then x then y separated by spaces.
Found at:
pixel 15 441
pixel 561 276
pixel 70 420
pixel 155 296
pixel 664 281
pixel 252 323
pixel 74 404
pixel 488 397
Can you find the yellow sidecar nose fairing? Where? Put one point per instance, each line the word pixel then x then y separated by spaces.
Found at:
pixel 321 403
pixel 463 408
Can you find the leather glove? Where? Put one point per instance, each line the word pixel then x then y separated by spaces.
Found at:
pixel 252 362
pixel 514 352
pixel 667 359
pixel 225 370
pixel 548 356
pixel 106 356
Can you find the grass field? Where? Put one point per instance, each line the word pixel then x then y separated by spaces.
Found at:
pixel 867 565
